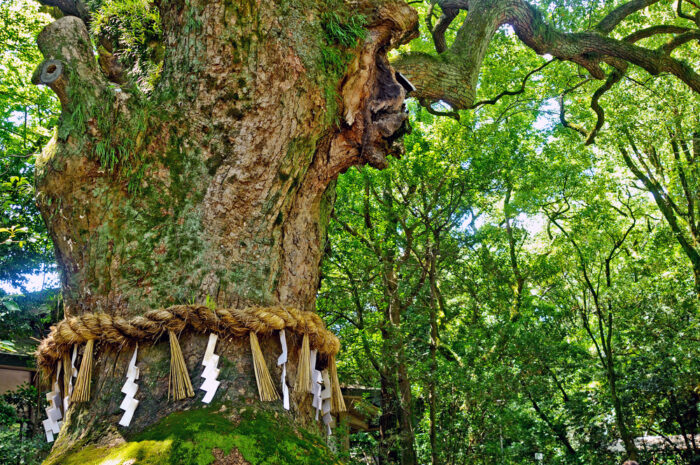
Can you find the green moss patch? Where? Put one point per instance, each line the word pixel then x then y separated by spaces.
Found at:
pixel 261 437
pixel 144 452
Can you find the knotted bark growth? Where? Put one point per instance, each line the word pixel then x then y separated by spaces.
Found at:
pixel 69 62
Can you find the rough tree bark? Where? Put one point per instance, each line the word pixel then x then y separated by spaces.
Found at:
pixel 217 187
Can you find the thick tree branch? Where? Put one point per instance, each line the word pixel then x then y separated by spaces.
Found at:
pixel 621 13
pixel 70 8
pixel 438 31
pixel 452 75
pixel 588 48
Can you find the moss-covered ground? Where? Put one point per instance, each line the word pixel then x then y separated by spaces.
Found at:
pixel 190 437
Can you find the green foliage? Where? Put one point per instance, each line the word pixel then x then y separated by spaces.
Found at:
pixel 133 29
pixel 517 370
pixel 26 114
pixel 21 437
pixel 342 28
pixel 25 317
pixel 29 451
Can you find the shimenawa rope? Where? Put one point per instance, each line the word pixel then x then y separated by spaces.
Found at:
pixel 102 327
pixel 236 322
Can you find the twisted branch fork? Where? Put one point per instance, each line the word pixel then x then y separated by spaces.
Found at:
pixel 116 330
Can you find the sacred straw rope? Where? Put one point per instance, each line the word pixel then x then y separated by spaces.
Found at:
pixel 236 322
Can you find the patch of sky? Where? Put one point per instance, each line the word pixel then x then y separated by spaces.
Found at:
pixel 33 282
pixel 547 115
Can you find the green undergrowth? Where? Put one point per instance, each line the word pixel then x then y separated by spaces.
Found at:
pixel 116 134
pixel 342 30
pixel 190 437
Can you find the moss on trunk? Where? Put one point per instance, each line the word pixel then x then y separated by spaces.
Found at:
pixel 223 434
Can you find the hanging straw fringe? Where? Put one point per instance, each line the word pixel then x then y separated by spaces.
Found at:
pixel 266 389
pixel 337 401
pixel 81 392
pixel 303 381
pixel 67 373
pixel 179 385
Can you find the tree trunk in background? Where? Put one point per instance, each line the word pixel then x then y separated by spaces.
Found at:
pixel 620 420
pixel 217 186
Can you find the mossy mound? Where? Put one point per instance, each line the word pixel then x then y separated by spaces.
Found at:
pixel 209 435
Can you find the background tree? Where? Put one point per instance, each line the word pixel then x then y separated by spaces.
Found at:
pixel 508 384
pixel 26 113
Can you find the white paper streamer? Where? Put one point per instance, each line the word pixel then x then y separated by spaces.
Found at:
pixel 74 374
pixel 282 360
pixel 316 383
pixel 211 372
pixel 312 370
pixel 130 387
pixel 52 424
pixel 326 393
pixel 326 398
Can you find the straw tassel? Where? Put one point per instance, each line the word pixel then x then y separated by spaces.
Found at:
pixel 81 392
pixel 180 385
pixel 337 401
pixel 67 373
pixel 266 389
pixel 303 381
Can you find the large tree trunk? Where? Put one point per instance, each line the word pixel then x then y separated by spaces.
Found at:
pixel 218 186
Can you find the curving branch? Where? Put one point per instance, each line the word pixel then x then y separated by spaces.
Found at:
pixel 677 41
pixel 498 97
pixel 621 68
pixel 613 79
pixel 429 108
pixel 619 14
pixel 679 12
pixel 452 75
pixel 655 30
pixel 438 31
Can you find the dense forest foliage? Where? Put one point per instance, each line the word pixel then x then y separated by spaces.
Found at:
pixel 513 293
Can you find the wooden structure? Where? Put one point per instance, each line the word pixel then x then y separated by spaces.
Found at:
pixel 15 370
pixel 362 412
